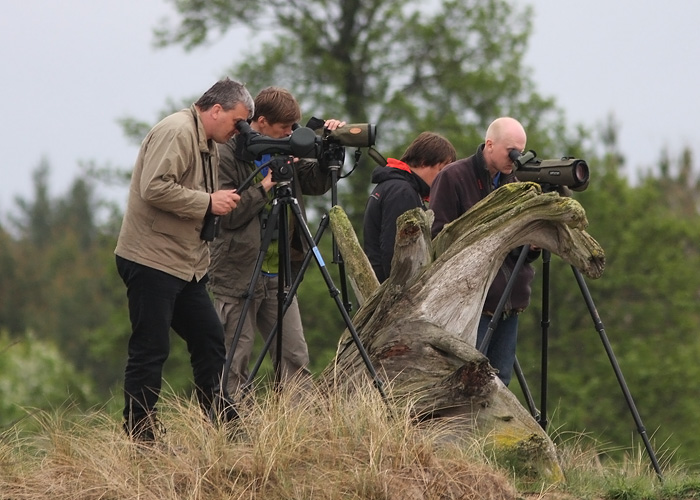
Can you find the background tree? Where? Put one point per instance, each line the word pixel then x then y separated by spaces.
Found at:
pixel 59 286
pixel 36 374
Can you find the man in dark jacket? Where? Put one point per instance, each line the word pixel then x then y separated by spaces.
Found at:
pixel 456 189
pixel 401 186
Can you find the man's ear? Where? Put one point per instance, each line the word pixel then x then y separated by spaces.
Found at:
pixel 215 110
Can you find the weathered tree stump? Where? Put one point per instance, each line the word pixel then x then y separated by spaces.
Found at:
pixel 419 326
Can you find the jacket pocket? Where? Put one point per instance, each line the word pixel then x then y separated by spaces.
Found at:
pixel 172 225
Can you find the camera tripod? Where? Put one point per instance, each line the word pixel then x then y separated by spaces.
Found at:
pixel 541 415
pixel 278 220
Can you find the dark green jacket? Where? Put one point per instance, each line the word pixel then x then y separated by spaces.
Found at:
pixel 235 251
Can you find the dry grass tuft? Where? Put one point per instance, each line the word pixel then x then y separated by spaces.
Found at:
pixel 297 445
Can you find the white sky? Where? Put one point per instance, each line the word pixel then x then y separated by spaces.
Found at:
pixel 71 68
pixel 637 60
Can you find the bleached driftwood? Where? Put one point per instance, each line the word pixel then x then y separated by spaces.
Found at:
pixel 419 327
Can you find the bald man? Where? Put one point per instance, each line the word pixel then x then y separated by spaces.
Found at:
pixel 455 190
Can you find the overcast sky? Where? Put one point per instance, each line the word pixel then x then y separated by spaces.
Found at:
pixel 70 69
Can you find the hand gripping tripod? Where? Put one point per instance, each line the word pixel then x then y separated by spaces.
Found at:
pixel 279 220
pixel 541 417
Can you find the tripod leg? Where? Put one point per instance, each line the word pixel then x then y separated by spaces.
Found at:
pixel 292 291
pixel 502 302
pixel 335 294
pixel 483 347
pixel 250 292
pixel 544 323
pixel 616 367
pixel 334 166
pixel 526 390
pixel 285 271
pixel 343 282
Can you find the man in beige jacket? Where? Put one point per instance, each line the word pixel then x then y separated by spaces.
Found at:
pixel 162 253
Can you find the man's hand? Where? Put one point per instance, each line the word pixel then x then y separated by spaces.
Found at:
pixel 223 201
pixel 267 182
pixel 333 124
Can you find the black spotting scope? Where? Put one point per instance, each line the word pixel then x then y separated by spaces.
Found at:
pixel 303 143
pixel 570 172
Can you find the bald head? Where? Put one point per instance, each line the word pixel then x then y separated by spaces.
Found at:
pixel 506 128
pixel 504 135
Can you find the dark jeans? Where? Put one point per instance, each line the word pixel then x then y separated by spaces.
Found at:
pixel 157 302
pixel 501 348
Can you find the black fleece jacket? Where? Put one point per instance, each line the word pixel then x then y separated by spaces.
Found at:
pixel 396 192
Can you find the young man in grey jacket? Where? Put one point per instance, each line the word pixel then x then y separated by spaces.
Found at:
pixel 236 250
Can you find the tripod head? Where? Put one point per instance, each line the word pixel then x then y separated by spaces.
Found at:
pixel 333 156
pixel 282 168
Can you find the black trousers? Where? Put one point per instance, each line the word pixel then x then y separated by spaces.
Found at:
pixel 157 302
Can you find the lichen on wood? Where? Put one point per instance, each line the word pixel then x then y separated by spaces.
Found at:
pixel 419 326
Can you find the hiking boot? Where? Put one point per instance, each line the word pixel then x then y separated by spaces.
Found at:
pixel 145 430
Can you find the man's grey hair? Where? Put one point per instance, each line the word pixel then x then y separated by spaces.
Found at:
pixel 228 94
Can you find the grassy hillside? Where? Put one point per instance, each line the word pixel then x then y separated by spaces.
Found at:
pixel 298 447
